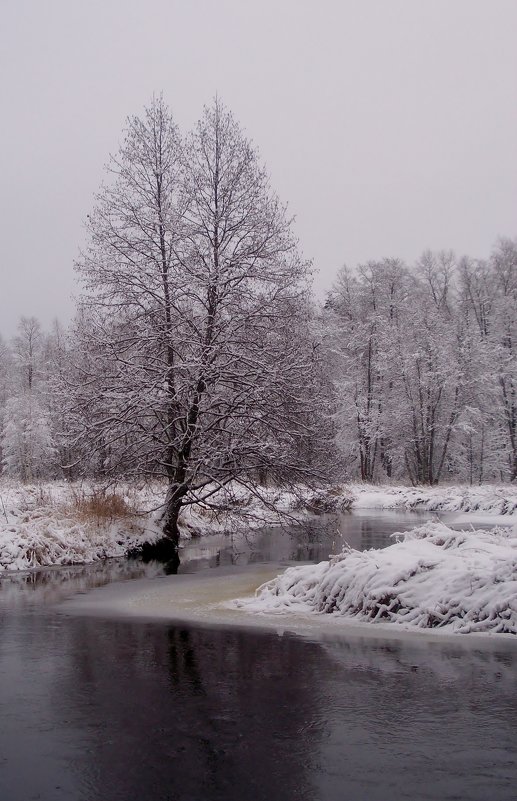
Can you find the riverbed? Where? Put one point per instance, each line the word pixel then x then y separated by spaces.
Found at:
pixel 101 706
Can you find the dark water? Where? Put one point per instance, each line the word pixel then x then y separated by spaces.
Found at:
pixel 96 709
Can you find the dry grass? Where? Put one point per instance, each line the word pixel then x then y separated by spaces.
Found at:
pixel 99 505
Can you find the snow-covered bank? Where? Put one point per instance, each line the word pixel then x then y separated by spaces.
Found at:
pixel 433 578
pixel 56 523
pixel 488 500
pixel 48 524
pixel 51 523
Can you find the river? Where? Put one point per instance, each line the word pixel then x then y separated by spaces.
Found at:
pixel 96 708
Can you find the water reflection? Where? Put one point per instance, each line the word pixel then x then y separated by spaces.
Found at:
pixel 122 712
pixel 307 542
pixel 312 541
pixel 180 713
pixel 50 584
pixel 108 710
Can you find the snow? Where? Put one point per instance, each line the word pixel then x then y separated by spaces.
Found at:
pixel 434 577
pixel 487 499
pixel 41 526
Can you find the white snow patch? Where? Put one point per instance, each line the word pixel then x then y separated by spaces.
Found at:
pixel 488 499
pixel 40 526
pixel 457 581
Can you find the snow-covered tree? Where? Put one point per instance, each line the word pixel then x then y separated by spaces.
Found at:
pixel 196 354
pixel 28 450
pixel 430 375
pixel 503 336
pixel 404 357
pixel 27 441
pixel 488 304
pixel 362 310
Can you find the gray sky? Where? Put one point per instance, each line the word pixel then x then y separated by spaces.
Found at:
pixel 389 125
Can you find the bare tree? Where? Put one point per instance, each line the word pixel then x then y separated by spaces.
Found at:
pixel 27 443
pixel 28 345
pixel 504 339
pixel 196 352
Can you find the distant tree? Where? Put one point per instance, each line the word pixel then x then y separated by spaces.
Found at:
pixel 27 443
pixel 480 441
pixel 57 350
pixel 197 356
pixel 28 450
pixel 27 349
pixel 488 303
pixel 477 293
pixel 361 314
pixel 503 336
pixel 403 369
pixel 430 372
pixel 437 271
pixel 6 372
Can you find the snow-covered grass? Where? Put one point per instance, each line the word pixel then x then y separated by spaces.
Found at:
pixel 432 578
pixel 62 524
pixel 488 499
pixel 58 523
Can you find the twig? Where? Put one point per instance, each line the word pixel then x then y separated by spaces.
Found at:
pixel 3 507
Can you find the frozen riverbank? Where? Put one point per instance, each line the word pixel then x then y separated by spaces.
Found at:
pixel 434 578
pixel 57 523
pixel 483 502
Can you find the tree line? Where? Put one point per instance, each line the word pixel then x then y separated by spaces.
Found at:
pixel 423 367
pixel 198 354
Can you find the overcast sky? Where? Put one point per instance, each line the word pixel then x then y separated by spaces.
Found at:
pixel 389 126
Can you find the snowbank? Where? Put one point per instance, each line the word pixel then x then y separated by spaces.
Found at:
pixel 46 524
pixel 39 526
pixel 492 500
pixel 433 578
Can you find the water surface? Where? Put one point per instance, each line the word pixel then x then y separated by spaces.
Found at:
pixel 107 709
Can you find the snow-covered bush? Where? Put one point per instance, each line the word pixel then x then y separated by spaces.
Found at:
pixel 433 578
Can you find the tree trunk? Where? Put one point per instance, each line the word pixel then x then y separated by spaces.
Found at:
pixel 170 517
